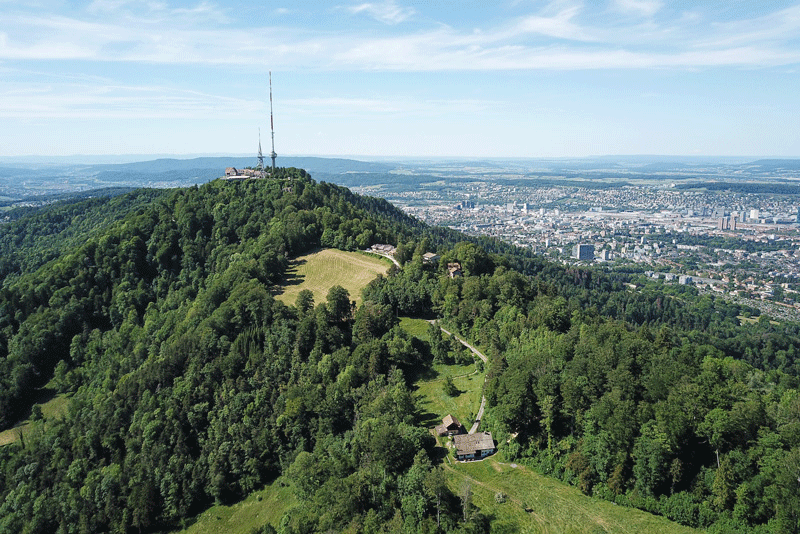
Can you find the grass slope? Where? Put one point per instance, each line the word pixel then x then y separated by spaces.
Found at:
pixel 321 270
pixel 260 507
pixel 433 402
pixel 52 408
pixel 536 503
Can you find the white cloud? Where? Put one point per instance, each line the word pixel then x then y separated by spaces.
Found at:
pixel 560 25
pixel 387 12
pixel 645 8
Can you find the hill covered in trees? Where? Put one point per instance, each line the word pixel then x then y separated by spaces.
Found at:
pixel 191 385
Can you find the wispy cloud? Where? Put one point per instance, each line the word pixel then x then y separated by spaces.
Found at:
pixel 386 106
pixel 560 37
pixel 387 12
pixel 779 27
pixel 561 25
pixel 155 12
pixel 645 8
pixel 99 101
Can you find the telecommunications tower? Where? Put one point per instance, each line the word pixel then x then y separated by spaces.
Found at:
pixel 272 154
pixel 260 154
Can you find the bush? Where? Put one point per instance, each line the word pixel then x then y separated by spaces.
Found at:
pixel 450 388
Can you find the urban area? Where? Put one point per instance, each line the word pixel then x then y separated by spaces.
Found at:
pixel 739 245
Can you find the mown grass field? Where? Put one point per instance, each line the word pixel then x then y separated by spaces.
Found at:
pixel 323 269
pixel 53 408
pixel 260 507
pixel 552 506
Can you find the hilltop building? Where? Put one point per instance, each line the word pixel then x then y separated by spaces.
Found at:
pixel 232 173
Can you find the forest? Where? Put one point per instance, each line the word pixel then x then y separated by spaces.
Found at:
pixel 190 385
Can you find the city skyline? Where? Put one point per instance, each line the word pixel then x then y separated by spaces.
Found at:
pixel 391 78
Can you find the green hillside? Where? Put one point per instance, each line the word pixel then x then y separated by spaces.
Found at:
pixel 517 499
pixel 193 391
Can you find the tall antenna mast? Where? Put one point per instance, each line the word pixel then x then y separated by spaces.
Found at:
pixel 260 155
pixel 272 154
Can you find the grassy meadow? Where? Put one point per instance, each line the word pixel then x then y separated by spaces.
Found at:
pixel 51 409
pixel 416 327
pixel 435 403
pixel 431 397
pixel 264 506
pixel 538 504
pixel 323 269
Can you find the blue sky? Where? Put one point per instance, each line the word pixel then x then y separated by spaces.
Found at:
pixel 447 78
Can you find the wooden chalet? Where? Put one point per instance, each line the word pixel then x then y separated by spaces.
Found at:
pixel 474 446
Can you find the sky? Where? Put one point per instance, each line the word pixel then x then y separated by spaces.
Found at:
pixel 401 78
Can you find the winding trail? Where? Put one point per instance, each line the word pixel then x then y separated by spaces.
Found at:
pixel 480 355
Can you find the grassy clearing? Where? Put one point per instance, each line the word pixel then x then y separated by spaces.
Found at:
pixel 53 408
pixel 434 403
pixel 752 320
pixel 552 505
pixel 260 507
pixel 12 434
pixel 416 327
pixel 321 270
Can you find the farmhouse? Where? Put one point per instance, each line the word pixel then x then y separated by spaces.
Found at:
pixel 449 427
pixel 383 249
pixel 454 269
pixel 472 446
pixel 430 257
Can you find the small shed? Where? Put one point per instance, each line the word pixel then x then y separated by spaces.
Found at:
pixel 449 427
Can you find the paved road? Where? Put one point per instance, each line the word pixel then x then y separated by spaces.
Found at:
pixel 387 256
pixel 483 357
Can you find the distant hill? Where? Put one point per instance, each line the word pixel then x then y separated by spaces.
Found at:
pixel 775 164
pixel 218 165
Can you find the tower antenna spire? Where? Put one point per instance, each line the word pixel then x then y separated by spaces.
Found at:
pixel 260 154
pixel 272 154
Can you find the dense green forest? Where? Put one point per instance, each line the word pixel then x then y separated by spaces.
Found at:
pixel 191 385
